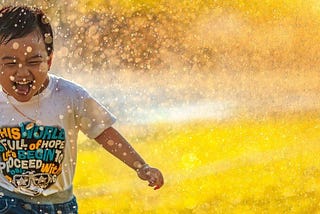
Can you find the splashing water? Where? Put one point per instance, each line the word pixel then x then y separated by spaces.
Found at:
pixel 181 61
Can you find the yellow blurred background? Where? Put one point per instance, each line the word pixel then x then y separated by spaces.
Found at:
pixel 221 95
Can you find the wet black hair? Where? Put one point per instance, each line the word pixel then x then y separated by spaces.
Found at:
pixel 19 21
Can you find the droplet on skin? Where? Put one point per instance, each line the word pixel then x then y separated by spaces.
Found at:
pixel 110 142
pixel 20 65
pixel 119 145
pixel 124 154
pixel 29 49
pixel 33 87
pixel 12 78
pixel 24 79
pixel 15 45
pixel 137 164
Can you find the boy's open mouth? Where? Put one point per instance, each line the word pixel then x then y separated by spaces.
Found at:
pixel 22 87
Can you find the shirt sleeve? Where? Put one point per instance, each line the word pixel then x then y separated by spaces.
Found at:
pixel 93 117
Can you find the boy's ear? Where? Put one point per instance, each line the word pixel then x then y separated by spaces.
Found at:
pixel 49 61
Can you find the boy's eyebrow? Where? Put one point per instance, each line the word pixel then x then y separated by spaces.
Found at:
pixel 8 57
pixel 36 56
pixel 13 57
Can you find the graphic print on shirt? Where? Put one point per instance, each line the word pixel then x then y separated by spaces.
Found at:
pixel 31 158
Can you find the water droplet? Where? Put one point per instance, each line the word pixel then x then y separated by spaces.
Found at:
pixel 137 164
pixel 110 142
pixel 29 49
pixel 45 19
pixel 15 45
pixel 11 78
pixel 48 39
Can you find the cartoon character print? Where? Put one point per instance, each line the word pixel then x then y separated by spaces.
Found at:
pixel 31 156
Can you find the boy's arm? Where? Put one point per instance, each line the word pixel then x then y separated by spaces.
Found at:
pixel 114 143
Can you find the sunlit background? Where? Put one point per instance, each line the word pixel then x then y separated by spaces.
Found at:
pixel 221 95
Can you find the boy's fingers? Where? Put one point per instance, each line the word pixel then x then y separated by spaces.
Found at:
pixel 152 181
pixel 153 176
pixel 156 180
pixel 157 187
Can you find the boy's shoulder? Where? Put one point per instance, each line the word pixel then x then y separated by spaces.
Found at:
pixel 59 84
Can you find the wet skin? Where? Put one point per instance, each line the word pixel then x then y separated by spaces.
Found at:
pixel 24 65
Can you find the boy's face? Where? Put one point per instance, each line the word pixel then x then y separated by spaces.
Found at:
pixel 24 65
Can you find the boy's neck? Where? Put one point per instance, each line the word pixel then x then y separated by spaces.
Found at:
pixel 45 85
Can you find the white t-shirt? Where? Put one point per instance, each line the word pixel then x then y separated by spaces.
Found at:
pixel 40 158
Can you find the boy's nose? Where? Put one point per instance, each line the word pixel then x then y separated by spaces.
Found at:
pixel 22 70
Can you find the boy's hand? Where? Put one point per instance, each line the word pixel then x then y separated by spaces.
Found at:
pixel 152 175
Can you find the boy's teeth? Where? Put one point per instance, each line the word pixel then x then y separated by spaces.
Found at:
pixel 23 83
pixel 22 87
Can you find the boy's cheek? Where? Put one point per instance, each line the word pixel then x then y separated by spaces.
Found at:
pixel 44 67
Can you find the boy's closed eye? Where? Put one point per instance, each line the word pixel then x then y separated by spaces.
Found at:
pixel 10 64
pixel 35 62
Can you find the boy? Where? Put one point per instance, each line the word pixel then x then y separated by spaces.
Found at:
pixel 40 117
